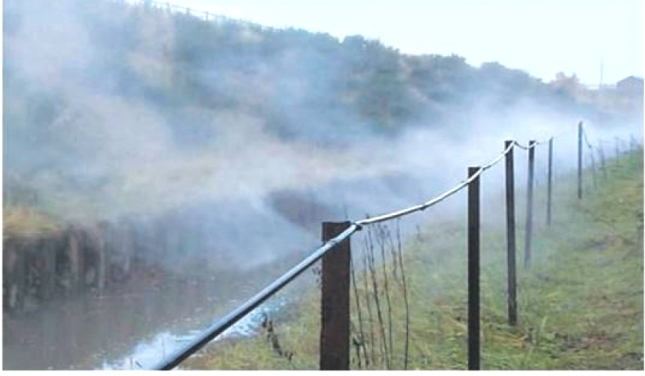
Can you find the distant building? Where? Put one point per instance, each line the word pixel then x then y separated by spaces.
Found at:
pixel 630 85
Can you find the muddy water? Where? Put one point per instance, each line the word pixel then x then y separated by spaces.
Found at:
pixel 132 326
pixel 136 322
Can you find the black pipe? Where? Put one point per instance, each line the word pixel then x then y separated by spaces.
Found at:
pixel 237 314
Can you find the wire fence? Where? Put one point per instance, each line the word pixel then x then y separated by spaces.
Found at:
pixel 338 269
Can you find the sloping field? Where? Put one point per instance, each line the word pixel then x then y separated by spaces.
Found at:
pixel 580 303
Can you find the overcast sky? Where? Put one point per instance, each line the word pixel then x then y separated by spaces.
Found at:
pixel 542 37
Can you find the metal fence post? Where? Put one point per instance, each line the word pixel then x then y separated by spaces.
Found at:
pixel 603 165
pixel 580 160
pixel 529 206
pixel 549 189
pixel 617 151
pixel 593 169
pixel 334 329
pixel 510 236
pixel 473 271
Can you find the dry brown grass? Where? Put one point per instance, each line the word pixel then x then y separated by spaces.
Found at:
pixel 26 223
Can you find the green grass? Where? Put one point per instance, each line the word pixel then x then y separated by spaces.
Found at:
pixel 580 303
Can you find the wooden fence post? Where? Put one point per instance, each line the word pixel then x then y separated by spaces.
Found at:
pixel 334 330
pixel 510 237
pixel 593 169
pixel 473 271
pixel 529 206
pixel 580 160
pixel 549 189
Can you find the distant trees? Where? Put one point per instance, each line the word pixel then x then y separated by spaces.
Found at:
pixel 441 78
pixel 377 82
pixel 567 84
pixel 175 61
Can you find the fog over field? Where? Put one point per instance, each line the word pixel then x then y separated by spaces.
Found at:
pixel 221 145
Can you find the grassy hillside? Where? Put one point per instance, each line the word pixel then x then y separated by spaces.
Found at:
pixel 186 68
pixel 580 303
pixel 130 105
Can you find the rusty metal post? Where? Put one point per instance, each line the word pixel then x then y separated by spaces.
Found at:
pixel 580 160
pixel 549 189
pixel 529 206
pixel 473 271
pixel 510 236
pixel 334 330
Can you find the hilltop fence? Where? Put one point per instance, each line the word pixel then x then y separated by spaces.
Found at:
pixel 201 14
pixel 335 253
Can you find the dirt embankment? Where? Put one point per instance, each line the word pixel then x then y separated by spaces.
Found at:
pixel 46 259
pixel 65 260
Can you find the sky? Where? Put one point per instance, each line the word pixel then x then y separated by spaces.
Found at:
pixel 542 37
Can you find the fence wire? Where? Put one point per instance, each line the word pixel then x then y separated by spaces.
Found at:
pixel 388 240
pixel 436 200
